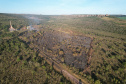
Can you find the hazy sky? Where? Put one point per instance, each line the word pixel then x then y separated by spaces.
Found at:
pixel 52 7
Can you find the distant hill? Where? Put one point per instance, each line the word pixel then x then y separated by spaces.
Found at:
pixel 119 15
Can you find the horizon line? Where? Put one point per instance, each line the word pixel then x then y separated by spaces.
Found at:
pixel 60 14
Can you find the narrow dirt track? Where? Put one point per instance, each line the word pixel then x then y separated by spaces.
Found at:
pixel 59 67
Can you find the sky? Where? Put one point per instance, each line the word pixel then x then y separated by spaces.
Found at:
pixel 63 7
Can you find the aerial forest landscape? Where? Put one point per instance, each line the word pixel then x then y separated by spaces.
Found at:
pixel 64 47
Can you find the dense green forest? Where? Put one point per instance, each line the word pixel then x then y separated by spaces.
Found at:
pixel 20 61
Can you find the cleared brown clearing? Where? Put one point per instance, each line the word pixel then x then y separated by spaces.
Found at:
pixel 59 48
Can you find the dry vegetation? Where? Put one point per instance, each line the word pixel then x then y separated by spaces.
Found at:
pixel 65 48
pixel 67 40
pixel 108 59
pixel 21 64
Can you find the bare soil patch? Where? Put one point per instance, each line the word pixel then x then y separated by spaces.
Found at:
pixel 63 47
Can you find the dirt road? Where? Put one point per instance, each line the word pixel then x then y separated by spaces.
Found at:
pixel 59 67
